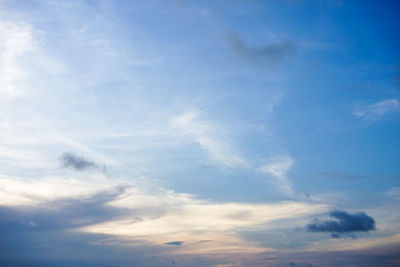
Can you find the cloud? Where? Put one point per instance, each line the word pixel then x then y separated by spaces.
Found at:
pixel 394 192
pixel 16 41
pixel 378 109
pixel 70 160
pixel 67 213
pixel 18 191
pixel 278 168
pixel 175 243
pixel 344 223
pixel 260 55
pixel 209 136
pixel 150 212
pixel 24 228
pixel 172 216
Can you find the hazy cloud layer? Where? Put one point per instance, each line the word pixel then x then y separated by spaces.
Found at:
pixel 344 223
pixel 261 55
pixel 127 84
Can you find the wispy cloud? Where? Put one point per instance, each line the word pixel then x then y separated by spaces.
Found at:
pixel 16 40
pixel 278 168
pixel 209 136
pixel 377 110
pixel 394 192
pixel 19 191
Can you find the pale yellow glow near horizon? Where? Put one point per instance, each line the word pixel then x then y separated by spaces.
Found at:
pixel 157 215
pixel 177 217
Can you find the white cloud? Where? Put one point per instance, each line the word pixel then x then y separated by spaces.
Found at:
pixel 209 136
pixel 17 191
pixel 278 168
pixel 15 41
pixel 378 109
pixel 394 192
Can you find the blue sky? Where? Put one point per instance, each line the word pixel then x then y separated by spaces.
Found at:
pixel 199 133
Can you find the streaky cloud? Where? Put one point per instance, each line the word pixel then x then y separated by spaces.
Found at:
pixel 279 167
pixel 377 110
pixel 175 243
pixel 191 127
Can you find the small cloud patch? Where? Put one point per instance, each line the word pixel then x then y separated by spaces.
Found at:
pixel 343 223
pixel 175 243
pixel 78 163
pixel 261 55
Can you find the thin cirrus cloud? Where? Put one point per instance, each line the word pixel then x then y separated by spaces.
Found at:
pixel 279 167
pixel 16 42
pixel 210 136
pixel 377 110
pixel 344 223
pixel 261 55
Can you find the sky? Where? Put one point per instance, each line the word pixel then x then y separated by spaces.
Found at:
pixel 199 133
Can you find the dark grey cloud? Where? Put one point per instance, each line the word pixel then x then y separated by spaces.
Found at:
pixel 73 161
pixel 65 213
pixel 343 223
pixel 261 55
pixel 175 243
pixel 42 236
